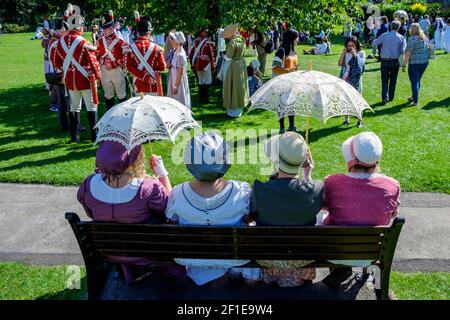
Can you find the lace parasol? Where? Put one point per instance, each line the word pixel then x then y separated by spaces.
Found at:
pixel 142 119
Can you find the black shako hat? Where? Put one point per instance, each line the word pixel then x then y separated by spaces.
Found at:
pixel 107 20
pixel 144 25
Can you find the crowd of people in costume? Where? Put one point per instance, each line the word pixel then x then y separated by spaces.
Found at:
pixel 119 50
pixel 122 191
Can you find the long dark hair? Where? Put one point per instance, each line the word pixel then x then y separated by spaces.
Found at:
pixel 355 41
pixel 288 41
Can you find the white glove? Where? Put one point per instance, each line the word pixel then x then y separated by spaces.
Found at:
pixel 158 167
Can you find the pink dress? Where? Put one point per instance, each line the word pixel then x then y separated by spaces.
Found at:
pixel 142 201
pixel 360 199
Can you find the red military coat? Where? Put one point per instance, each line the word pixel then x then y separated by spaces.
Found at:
pixel 143 81
pixel 206 55
pixel 116 53
pixel 84 54
pixel 52 45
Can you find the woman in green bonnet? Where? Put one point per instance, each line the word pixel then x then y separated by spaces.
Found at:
pixel 235 82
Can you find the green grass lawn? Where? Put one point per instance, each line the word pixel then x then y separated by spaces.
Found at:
pixel 415 139
pixel 19 282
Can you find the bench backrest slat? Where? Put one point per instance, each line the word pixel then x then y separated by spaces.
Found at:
pixel 216 230
pixel 243 256
pixel 249 243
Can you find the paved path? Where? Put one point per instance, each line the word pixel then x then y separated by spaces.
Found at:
pixel 33 228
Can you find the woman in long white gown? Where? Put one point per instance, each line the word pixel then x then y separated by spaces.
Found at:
pixel 447 37
pixel 177 83
pixel 439 34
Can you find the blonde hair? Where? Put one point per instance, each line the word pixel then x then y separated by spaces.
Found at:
pixel 417 31
pixel 138 166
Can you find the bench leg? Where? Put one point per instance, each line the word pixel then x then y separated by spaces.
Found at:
pixel 385 275
pixel 96 276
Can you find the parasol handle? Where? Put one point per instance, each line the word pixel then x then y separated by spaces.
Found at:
pixel 310 65
pixel 141 94
pixel 307 129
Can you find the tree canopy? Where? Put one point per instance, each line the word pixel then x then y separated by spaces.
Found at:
pixel 190 15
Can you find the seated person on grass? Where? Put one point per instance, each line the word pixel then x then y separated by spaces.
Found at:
pixel 254 82
pixel 287 200
pixel 323 47
pixel 362 197
pixel 122 192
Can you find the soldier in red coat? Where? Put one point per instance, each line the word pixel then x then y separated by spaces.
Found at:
pixel 145 60
pixel 110 57
pixel 203 62
pixel 76 58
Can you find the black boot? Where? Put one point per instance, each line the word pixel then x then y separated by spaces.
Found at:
pixel 109 103
pixel 92 119
pixel 282 129
pixel 63 107
pixel 74 120
pixel 206 93
pixel 292 126
pixel 201 93
pixel 122 100
pixel 80 126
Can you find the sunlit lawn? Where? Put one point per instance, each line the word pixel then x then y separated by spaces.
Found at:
pixel 415 139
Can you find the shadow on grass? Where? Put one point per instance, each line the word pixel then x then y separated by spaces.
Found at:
pixel 388 110
pixel 24 111
pixel 437 104
pixel 68 294
pixel 70 156
pixel 376 69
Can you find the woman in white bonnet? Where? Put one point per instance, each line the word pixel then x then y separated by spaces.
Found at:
pixel 177 82
pixel 362 197
pixel 439 26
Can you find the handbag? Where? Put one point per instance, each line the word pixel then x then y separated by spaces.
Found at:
pixel 53 78
pixel 431 52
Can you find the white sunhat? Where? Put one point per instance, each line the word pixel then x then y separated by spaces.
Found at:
pixel 178 37
pixel 364 149
pixel 287 151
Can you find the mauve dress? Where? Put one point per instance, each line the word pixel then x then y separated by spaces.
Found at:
pixel 147 206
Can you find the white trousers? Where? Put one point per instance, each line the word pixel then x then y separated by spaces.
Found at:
pixel 47 70
pixel 75 100
pixel 205 77
pixel 113 83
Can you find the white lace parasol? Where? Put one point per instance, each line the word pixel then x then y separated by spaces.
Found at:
pixel 309 93
pixel 138 120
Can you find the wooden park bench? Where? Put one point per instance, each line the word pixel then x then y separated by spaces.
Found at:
pixel 165 242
